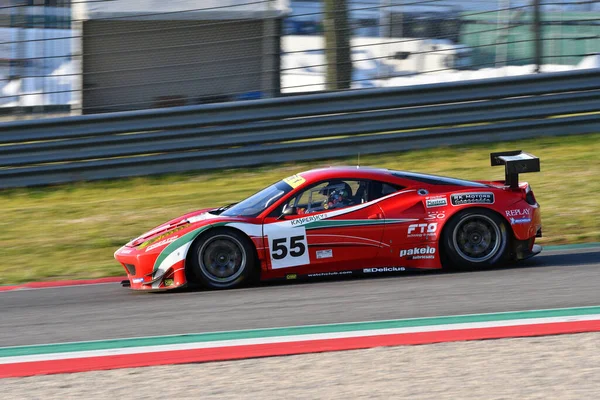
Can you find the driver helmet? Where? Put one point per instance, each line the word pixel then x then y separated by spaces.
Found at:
pixel 338 196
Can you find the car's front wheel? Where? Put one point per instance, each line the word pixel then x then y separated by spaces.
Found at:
pixel 222 259
pixel 475 239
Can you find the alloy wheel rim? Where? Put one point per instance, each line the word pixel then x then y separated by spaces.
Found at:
pixel 222 259
pixel 477 238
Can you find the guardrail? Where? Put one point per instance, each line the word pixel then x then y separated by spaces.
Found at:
pixel 278 130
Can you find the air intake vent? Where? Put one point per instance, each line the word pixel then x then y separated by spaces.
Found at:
pixel 530 198
pixel 130 268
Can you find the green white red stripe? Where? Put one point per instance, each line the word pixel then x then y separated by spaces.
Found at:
pixel 177 250
pixel 218 346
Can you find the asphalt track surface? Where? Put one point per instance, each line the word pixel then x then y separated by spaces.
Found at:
pixel 554 279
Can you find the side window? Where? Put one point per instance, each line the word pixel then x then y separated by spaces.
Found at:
pixel 329 195
pixel 380 189
pixel 387 188
pixel 310 200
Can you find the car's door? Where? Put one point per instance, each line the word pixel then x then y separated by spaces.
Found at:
pixel 333 228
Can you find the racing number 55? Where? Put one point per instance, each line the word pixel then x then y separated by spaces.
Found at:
pixel 288 246
pixel 280 249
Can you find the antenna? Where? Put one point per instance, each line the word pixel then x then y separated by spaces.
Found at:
pixel 358 161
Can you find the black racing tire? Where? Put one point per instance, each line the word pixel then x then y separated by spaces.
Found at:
pixel 475 238
pixel 222 259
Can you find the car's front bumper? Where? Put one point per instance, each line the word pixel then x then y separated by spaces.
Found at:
pixel 139 266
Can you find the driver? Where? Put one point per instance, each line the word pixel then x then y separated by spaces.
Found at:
pixel 339 196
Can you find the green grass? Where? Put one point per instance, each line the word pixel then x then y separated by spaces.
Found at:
pixel 71 231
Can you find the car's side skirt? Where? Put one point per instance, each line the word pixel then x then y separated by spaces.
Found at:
pixel 370 271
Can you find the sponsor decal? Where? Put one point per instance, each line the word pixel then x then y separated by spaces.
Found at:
pixel 137 280
pixel 291 276
pixel 335 273
pixel 422 230
pixel 324 253
pixel 383 269
pixel 458 199
pixel 306 220
pixel 418 253
pixel 521 212
pixel 514 221
pixel 168 282
pixel 161 237
pixel 425 257
pixel 433 215
pixel 519 216
pixel 437 201
pixel 161 243
pixel 294 181
pixel 125 251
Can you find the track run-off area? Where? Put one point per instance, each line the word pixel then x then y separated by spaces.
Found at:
pixel 414 308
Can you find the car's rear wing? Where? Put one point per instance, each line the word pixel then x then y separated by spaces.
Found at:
pixel 515 162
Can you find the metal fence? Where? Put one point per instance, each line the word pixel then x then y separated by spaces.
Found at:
pixel 306 127
pixel 61 57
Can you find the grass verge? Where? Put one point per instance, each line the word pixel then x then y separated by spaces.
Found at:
pixel 71 231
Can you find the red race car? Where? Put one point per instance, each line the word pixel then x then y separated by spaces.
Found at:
pixel 344 221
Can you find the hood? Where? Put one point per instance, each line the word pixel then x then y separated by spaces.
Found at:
pixel 163 231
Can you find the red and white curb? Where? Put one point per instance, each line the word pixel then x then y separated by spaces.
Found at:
pixel 139 352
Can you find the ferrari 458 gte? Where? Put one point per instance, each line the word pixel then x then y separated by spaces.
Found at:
pixel 344 221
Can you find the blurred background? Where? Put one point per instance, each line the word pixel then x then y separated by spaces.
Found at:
pixel 74 190
pixel 69 57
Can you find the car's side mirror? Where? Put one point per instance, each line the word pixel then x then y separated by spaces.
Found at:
pixel 288 211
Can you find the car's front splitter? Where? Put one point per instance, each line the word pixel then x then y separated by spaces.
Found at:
pixel 172 279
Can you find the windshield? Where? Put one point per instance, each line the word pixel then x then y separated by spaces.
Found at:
pixel 258 202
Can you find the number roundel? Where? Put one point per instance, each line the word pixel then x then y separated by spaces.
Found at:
pixel 288 247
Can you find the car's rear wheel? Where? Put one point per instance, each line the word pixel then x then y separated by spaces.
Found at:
pixel 475 239
pixel 222 259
